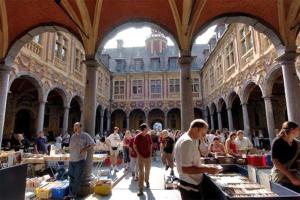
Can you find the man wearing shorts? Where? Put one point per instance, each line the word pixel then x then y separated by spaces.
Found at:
pixel 114 140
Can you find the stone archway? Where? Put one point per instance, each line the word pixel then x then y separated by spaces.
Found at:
pixel 54 113
pixel 223 112
pixel 279 103
pixel 253 96
pixel 236 110
pixel 156 115
pixel 198 113
pixel 136 118
pixel 208 116
pixel 25 93
pixel 136 24
pixel 174 119
pixel 24 123
pixel 253 21
pixel 214 116
pixel 118 118
pixel 75 112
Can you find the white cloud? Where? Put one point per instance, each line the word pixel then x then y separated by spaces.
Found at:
pixel 203 38
pixel 135 37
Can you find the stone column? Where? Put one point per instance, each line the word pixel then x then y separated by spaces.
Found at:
pixel 146 118
pixel 41 115
pixel 205 115
pixel 4 83
pixel 230 121
pixel 187 110
pixel 212 122
pixel 66 120
pixel 108 120
pixel 291 86
pixel 101 121
pixel 166 121
pixel 90 100
pixel 270 118
pixel 246 120
pixel 90 103
pixel 81 117
pixel 127 122
pixel 219 121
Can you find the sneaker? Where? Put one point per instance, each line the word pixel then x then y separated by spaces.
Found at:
pixel 147 184
pixel 167 167
pixel 116 170
pixel 140 193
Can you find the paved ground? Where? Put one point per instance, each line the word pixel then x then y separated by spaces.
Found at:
pixel 127 189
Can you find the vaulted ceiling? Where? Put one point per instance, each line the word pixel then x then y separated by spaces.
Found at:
pixel 92 20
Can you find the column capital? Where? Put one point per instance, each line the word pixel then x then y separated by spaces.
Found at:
pixel 5 68
pixel 92 63
pixel 67 107
pixel 42 101
pixel 244 104
pixel 267 97
pixel 185 60
pixel 229 108
pixel 287 57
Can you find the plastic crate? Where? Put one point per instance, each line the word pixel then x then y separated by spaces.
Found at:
pixel 44 192
pixel 103 187
pixel 60 191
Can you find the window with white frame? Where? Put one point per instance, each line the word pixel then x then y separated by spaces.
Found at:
pixel 229 50
pixel 138 64
pixel 78 60
pixel 246 39
pixel 137 87
pixel 212 76
pixel 120 65
pixel 155 86
pixel 119 87
pixel 206 83
pixel 174 86
pixel 155 63
pixel 61 46
pixel 219 67
pixel 266 42
pixel 196 85
pixel 173 63
pixel 106 85
pixel 100 82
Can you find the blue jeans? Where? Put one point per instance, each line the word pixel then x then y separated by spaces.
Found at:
pixel 76 175
pixel 126 155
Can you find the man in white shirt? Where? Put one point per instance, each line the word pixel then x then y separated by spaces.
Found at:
pixel 188 163
pixel 243 143
pixel 114 141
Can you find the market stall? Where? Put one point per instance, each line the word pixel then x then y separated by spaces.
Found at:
pixel 233 183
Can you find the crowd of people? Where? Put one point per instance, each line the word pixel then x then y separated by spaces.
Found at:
pixel 199 142
pixel 175 148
